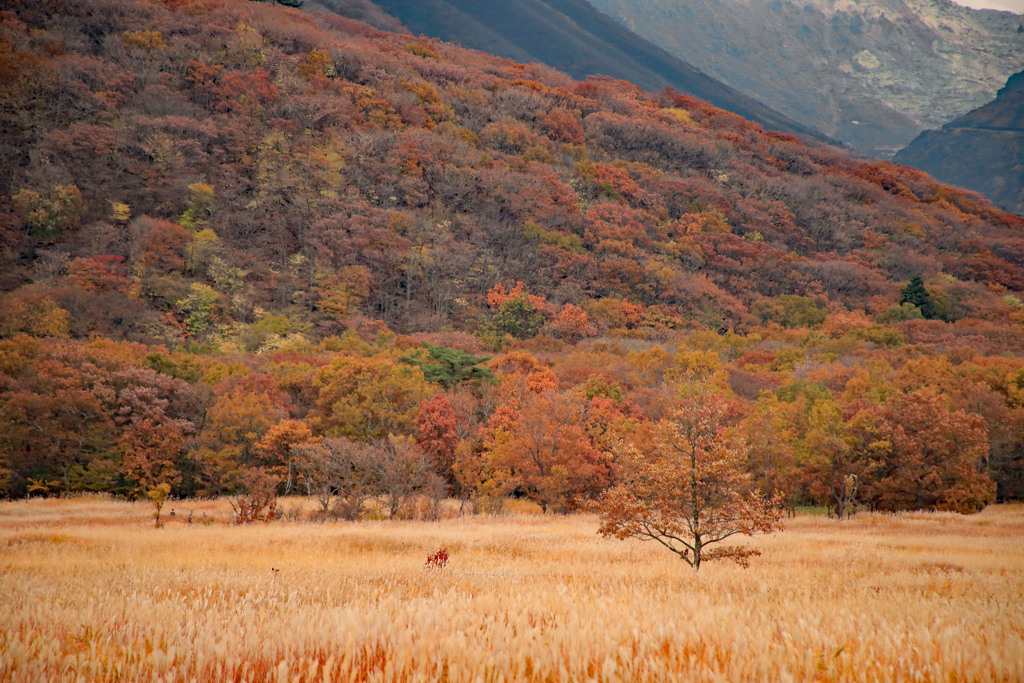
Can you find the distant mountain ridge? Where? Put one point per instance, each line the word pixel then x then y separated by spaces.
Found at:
pixel 872 73
pixel 982 150
pixel 570 35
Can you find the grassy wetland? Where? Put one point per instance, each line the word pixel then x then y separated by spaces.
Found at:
pixel 90 591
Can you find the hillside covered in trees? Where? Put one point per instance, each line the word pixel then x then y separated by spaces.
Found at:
pixel 574 37
pixel 242 240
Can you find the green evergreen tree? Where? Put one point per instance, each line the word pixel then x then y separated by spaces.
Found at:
pixel 517 317
pixel 450 367
pixel 916 294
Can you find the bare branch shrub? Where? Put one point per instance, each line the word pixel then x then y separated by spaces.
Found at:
pixel 403 471
pixel 257 497
pixel 338 470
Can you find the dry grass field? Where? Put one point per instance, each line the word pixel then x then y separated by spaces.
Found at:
pixel 90 591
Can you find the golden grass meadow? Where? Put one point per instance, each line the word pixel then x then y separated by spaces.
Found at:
pixel 91 591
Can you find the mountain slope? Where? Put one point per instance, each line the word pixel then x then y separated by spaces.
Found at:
pixel 572 37
pixel 982 150
pixel 872 73
pixel 361 10
pixel 229 161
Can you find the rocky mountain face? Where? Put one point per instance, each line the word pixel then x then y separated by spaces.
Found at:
pixel 571 36
pixel 982 150
pixel 872 73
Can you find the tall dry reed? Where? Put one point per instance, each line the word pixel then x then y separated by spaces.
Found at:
pixel 90 591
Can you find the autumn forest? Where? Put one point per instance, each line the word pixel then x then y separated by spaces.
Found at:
pixel 251 250
pixel 329 352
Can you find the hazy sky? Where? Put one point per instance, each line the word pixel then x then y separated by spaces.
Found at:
pixel 1010 5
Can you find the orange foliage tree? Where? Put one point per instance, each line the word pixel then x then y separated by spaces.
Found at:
pixel 276 448
pixel 924 455
pixel 545 453
pixel 685 487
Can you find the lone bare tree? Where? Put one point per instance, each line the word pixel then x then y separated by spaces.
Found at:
pixel 344 475
pixel 685 486
pixel 403 472
pixel 338 470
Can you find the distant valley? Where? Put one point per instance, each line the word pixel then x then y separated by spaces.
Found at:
pixel 982 150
